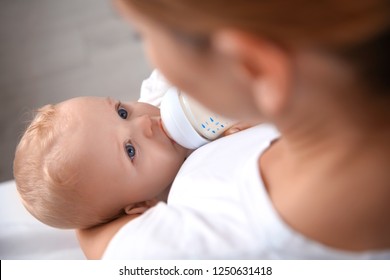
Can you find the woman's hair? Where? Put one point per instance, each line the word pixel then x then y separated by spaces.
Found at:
pixel 357 31
pixel 45 175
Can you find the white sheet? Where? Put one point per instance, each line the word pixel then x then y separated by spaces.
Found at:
pixel 23 237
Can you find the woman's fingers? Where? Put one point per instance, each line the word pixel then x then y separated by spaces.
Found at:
pixel 240 126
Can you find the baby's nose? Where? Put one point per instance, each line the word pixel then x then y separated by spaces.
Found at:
pixel 144 124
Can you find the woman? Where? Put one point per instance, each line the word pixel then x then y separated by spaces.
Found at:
pixel 317 70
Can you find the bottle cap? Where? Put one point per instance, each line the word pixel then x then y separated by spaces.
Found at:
pixel 176 122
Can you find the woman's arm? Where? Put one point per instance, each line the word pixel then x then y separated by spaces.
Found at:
pixel 94 241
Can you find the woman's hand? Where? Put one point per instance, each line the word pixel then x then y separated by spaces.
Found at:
pixel 94 241
pixel 240 126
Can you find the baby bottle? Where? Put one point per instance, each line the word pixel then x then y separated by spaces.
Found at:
pixel 189 123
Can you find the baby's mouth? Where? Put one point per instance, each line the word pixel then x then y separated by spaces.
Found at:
pixel 165 132
pixel 163 129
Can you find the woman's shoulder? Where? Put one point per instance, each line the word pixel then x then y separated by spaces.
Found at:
pixel 345 211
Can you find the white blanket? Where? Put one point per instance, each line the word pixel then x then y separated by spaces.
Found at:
pixel 23 237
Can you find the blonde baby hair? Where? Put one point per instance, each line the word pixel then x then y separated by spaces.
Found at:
pixel 46 175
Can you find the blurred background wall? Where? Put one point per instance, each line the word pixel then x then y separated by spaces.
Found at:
pixel 52 50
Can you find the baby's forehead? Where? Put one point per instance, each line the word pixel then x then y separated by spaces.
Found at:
pixel 79 103
pixel 84 121
pixel 70 122
pixel 79 110
pixel 67 118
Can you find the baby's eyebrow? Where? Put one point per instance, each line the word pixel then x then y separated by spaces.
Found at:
pixel 110 101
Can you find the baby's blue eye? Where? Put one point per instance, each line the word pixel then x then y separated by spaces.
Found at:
pixel 122 113
pixel 130 150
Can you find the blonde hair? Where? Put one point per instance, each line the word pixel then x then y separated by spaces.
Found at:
pixel 46 175
pixel 356 31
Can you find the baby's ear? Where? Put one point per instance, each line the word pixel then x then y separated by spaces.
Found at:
pixel 140 207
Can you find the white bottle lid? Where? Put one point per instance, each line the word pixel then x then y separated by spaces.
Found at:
pixel 176 123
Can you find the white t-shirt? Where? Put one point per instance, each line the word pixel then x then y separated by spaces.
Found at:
pixel 218 207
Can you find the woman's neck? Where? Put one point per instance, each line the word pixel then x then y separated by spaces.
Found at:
pixel 334 137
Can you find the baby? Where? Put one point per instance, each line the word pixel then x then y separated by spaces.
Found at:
pixel 89 160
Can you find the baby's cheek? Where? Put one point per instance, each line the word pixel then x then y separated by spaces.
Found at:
pixel 171 166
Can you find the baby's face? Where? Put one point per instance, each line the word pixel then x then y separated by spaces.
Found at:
pixel 123 154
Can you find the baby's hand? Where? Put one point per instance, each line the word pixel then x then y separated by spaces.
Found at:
pixel 240 126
